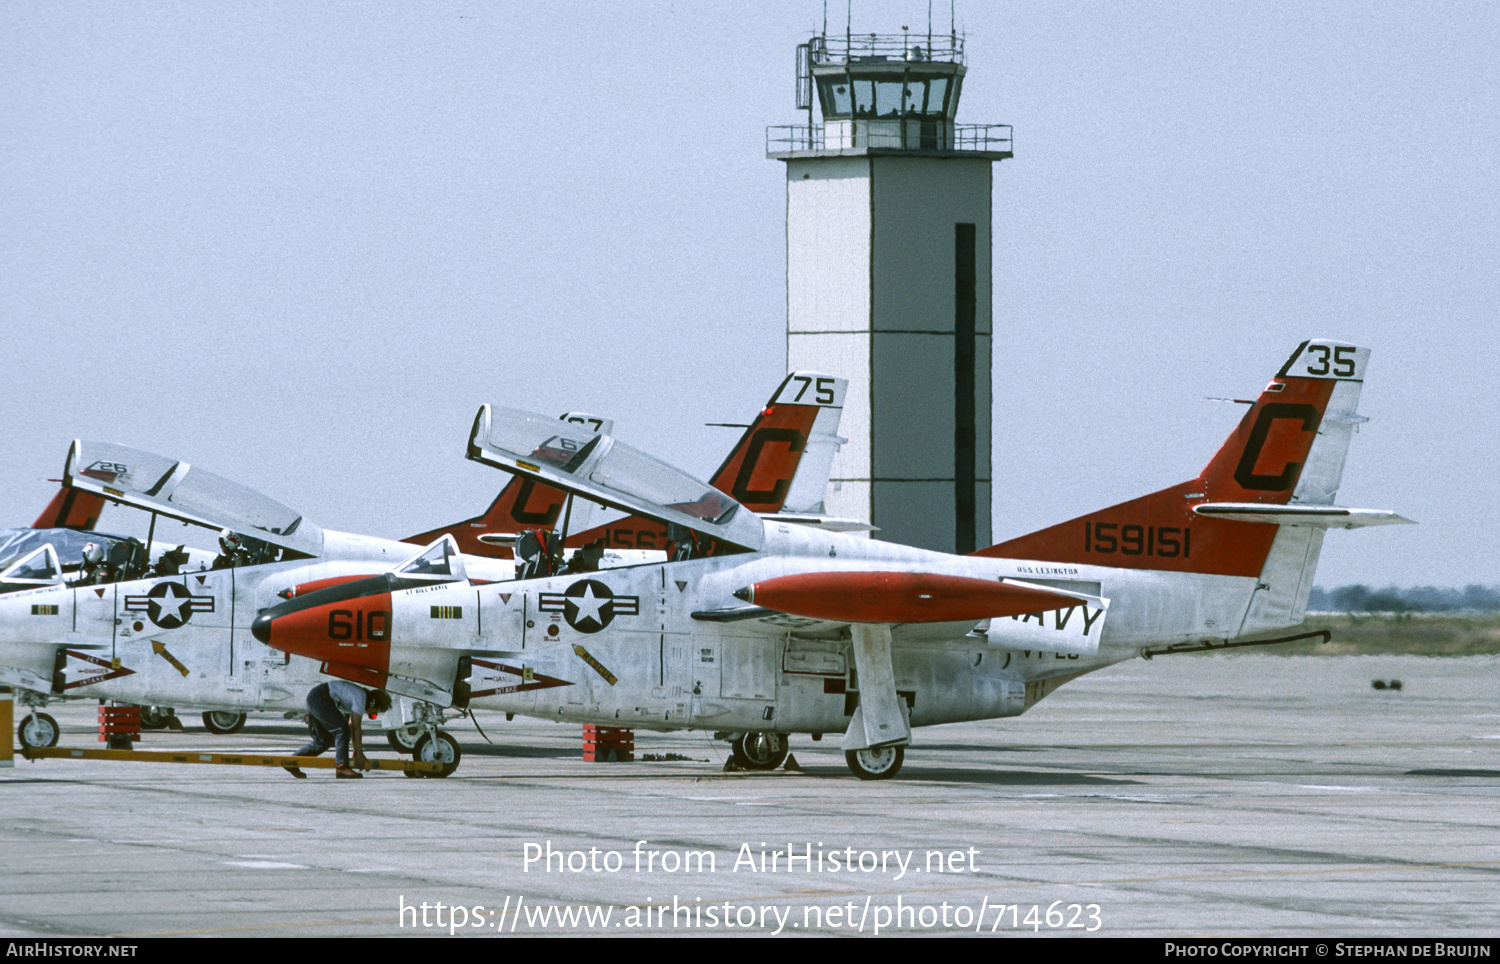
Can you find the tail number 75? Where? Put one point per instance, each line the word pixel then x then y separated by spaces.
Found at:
pixel 823 392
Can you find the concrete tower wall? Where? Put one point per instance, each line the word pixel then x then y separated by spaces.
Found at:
pixel 873 293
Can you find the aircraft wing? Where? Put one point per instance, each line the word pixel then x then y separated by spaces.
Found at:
pixel 177 490
pixel 924 610
pixel 886 611
pixel 603 470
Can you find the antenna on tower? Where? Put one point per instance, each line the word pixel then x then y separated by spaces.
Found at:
pixel 848 31
pixel 952 28
pixel 929 28
pixel 825 17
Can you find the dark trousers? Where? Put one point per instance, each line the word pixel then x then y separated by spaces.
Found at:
pixel 328 726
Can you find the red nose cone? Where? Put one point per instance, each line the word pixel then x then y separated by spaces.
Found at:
pixel 900 597
pixel 353 631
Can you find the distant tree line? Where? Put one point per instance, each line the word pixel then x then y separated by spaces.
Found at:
pixel 1421 599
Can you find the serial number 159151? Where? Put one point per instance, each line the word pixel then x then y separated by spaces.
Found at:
pixel 1168 542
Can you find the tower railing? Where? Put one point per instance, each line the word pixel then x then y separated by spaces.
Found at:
pixel 790 138
pixel 874 48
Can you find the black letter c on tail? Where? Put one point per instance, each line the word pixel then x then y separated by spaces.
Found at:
pixel 741 490
pixel 1245 475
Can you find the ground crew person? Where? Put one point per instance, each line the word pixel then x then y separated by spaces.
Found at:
pixel 335 711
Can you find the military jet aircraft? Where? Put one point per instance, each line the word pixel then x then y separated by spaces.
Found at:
pixel 180 638
pixel 68 638
pixel 757 629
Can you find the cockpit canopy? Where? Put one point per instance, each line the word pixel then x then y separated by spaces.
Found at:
pixel 67 543
pixel 602 469
pixel 175 489
pixel 440 562
pixel 39 567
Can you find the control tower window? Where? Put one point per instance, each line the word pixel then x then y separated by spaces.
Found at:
pixel 885 95
pixel 836 99
pixel 864 98
pixel 916 97
pixel 924 96
pixel 937 96
pixel 888 98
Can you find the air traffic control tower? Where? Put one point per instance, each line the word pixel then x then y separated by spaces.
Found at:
pixel 888 237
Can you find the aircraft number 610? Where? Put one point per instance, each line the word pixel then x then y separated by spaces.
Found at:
pixel 344 624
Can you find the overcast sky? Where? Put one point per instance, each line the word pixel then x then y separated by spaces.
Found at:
pixel 299 244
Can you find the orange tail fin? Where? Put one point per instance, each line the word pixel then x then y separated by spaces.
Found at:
pixel 71 509
pixel 782 459
pixel 1277 454
pixel 523 504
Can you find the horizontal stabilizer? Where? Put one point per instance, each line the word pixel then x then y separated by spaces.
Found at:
pixel 1318 516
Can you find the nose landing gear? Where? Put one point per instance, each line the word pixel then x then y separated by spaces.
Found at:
pixel 442 748
pixel 423 738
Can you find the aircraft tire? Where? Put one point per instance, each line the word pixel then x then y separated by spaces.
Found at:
pixel 881 764
pixel 223 722
pixel 443 750
pixel 760 751
pixel 38 730
pixel 156 717
pixel 403 739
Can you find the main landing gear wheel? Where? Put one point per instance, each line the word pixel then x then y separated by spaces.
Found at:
pixel 223 722
pixel 759 751
pixel 156 717
pixel 403 739
pixel 38 730
pixel 442 750
pixel 880 764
